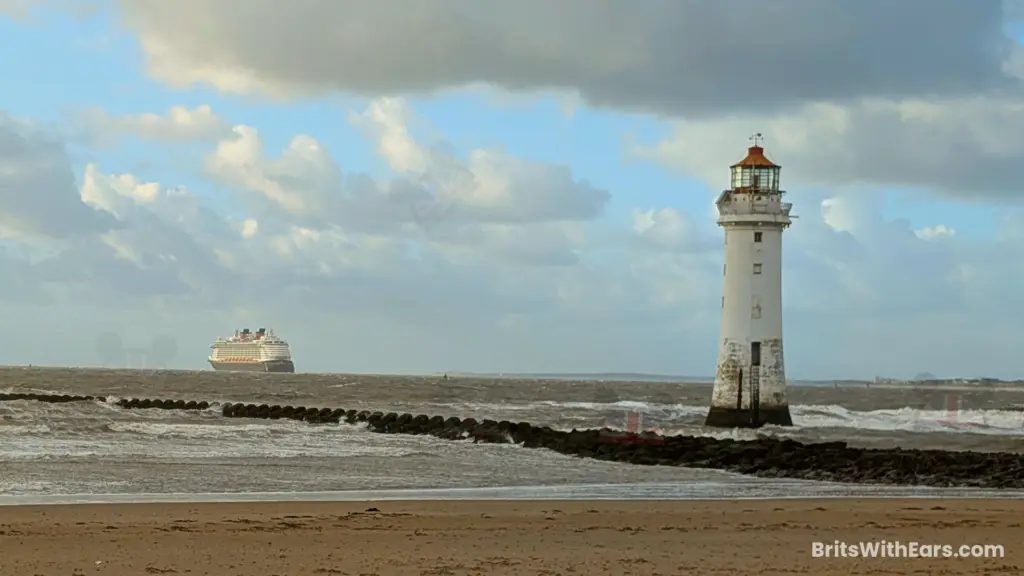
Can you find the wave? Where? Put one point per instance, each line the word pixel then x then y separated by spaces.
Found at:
pixel 1002 422
pixel 688 419
pixel 41 431
pixel 195 430
pixel 34 418
pixel 208 443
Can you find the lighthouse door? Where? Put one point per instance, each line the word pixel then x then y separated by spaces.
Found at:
pixel 755 384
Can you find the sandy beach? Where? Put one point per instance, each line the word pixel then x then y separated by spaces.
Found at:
pixel 493 537
pixel 64 451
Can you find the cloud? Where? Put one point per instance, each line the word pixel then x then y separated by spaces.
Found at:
pixel 38 197
pixel 934 232
pixel 22 9
pixel 344 257
pixel 872 98
pixel 483 260
pixel 965 149
pixel 508 279
pixel 679 58
pixel 489 186
pixel 178 124
pixel 17 8
pixel 670 229
pixel 308 226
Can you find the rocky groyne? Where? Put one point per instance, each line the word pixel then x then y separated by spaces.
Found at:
pixel 764 457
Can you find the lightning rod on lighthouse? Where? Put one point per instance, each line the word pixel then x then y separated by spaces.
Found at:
pixel 750 379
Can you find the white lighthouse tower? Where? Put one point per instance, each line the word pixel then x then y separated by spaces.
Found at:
pixel 750 381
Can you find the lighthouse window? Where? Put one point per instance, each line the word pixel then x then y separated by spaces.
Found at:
pixel 757 268
pixel 755 353
pixel 757 236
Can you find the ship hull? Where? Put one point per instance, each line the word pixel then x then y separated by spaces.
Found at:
pixel 286 366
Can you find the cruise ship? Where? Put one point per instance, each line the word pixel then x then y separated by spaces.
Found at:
pixel 247 351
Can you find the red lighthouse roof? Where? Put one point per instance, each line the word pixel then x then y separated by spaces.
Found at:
pixel 755 157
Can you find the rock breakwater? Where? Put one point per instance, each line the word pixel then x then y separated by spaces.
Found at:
pixel 765 456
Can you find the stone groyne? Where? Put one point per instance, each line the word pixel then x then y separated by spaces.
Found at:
pixel 765 456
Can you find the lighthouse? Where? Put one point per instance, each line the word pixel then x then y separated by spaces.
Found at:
pixel 750 379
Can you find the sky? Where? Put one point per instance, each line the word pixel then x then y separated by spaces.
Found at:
pixel 456 185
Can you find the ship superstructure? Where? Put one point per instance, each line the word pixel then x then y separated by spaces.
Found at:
pixel 248 351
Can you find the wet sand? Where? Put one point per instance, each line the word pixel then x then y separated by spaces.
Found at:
pixel 501 538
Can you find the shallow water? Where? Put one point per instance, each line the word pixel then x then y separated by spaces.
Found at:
pixel 55 450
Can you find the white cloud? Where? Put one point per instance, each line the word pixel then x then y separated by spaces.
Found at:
pixel 38 198
pixel 239 162
pixel 14 7
pixel 386 121
pixel 250 228
pixel 488 186
pixel 670 229
pixel 520 274
pixel 334 255
pixel 961 148
pixel 862 102
pixel 484 260
pixel 178 124
pixel 934 232
pixel 21 9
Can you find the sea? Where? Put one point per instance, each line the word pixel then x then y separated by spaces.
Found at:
pixel 98 452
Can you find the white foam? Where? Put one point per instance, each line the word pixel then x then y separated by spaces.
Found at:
pixel 996 422
pixel 903 420
pixel 209 431
pixel 620 404
pixel 990 422
pixel 20 430
pixel 231 439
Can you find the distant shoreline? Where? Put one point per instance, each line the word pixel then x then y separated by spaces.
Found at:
pixel 951 383
pixel 962 384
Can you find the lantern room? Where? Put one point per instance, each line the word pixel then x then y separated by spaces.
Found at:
pixel 755 173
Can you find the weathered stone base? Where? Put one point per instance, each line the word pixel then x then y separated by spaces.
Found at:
pixel 733 418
